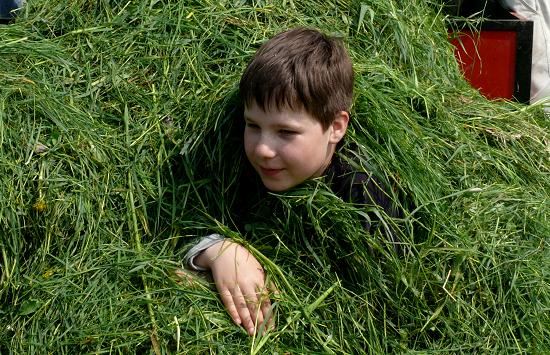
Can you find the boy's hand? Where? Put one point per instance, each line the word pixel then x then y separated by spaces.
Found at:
pixel 240 280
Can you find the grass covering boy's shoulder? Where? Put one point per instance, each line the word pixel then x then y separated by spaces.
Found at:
pixel 118 144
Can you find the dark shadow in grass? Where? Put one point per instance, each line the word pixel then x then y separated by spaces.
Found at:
pixel 203 182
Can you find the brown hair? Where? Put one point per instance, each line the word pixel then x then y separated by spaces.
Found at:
pixel 300 68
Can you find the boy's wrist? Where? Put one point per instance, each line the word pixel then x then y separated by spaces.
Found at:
pixel 204 259
pixel 196 258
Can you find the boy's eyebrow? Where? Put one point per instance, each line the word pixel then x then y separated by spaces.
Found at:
pixel 281 125
pixel 287 126
pixel 247 118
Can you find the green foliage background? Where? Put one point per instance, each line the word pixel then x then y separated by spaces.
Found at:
pixel 117 147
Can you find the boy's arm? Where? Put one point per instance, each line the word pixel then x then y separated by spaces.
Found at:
pixel 240 281
pixel 377 194
pixel 364 189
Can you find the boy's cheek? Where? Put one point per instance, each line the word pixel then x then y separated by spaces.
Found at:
pixel 249 154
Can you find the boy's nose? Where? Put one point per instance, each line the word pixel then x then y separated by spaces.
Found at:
pixel 265 149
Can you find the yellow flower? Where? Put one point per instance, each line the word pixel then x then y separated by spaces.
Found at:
pixel 39 206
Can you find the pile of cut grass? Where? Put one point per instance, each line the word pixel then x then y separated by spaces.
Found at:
pixel 118 145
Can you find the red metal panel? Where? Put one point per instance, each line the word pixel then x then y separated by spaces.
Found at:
pixel 488 61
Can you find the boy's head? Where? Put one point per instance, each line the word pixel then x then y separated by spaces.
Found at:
pixel 300 69
pixel 297 91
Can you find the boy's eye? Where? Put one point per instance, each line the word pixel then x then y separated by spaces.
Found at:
pixel 287 132
pixel 251 125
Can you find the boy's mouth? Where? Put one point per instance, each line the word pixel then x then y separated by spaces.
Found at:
pixel 270 172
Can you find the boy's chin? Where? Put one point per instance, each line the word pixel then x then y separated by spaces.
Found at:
pixel 277 186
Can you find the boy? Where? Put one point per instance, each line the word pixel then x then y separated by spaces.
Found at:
pixel 297 91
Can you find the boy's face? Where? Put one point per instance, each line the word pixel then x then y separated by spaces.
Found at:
pixel 287 147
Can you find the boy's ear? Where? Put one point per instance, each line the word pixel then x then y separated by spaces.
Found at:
pixel 339 126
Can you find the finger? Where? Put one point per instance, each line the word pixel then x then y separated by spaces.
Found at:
pixel 244 312
pixel 266 310
pixel 254 309
pixel 227 299
pixel 257 315
pixel 185 277
pixel 265 306
pixel 275 292
pixel 267 316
